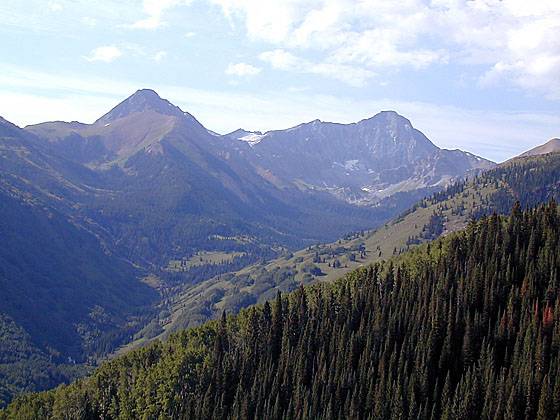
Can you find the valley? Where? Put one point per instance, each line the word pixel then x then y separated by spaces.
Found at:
pixel 439 215
pixel 279 210
pixel 158 215
pixel 387 328
pixel 192 224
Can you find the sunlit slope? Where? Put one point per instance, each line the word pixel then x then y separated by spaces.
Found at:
pixel 530 180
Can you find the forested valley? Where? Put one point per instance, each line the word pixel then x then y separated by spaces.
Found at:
pixel 465 327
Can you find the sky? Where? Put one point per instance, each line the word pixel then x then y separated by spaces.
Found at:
pixel 481 75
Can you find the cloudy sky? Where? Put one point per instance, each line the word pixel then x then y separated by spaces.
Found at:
pixel 483 76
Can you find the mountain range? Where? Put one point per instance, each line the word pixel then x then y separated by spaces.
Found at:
pixel 104 223
pixel 148 153
pixel 362 162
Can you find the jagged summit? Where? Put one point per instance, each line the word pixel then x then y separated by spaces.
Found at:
pixel 142 100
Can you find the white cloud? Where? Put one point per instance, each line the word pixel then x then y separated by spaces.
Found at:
pixel 160 55
pixel 285 60
pixel 242 69
pixel 55 6
pixel 154 9
pixel 281 59
pixel 107 54
pixel 515 41
pixel 89 21
pixel 190 34
pixel 370 32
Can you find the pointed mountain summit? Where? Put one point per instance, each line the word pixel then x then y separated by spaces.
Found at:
pixel 138 123
pixel 141 101
pixel 551 146
pixel 362 162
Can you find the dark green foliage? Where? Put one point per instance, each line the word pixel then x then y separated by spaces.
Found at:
pixel 466 328
pixel 434 228
pixel 64 298
pixel 530 181
pixel 57 283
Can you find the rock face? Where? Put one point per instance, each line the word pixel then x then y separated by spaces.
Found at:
pixel 362 162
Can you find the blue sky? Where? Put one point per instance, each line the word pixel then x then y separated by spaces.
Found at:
pixel 483 76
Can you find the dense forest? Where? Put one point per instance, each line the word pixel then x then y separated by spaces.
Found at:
pixel 465 327
pixel 531 181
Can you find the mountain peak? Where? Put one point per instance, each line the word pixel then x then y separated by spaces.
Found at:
pixel 147 93
pixel 7 127
pixel 551 146
pixel 389 119
pixel 142 100
pixel 390 116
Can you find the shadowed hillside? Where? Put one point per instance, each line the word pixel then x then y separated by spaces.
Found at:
pixel 465 328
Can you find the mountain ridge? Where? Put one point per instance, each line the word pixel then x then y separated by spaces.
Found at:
pixel 361 162
pixel 551 146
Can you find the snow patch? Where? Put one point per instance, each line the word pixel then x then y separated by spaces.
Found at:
pixel 393 136
pixel 351 165
pixel 252 138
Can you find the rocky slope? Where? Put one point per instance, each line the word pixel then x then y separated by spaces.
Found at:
pixel 361 163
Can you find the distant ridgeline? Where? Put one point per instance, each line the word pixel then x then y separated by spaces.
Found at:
pixel 530 180
pixel 465 327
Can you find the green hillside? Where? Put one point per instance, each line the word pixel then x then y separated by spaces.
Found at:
pixel 65 299
pixel 530 181
pixel 466 327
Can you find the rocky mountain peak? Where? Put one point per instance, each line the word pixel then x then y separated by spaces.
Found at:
pixel 141 101
pixel 389 119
